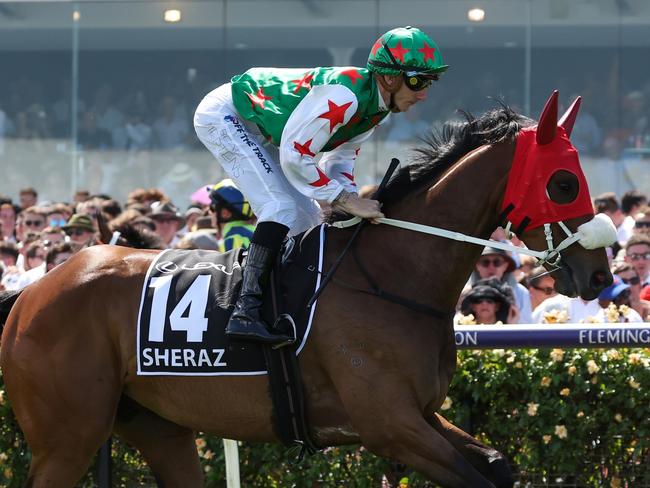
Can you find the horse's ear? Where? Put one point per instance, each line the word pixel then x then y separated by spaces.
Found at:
pixel 548 121
pixel 569 117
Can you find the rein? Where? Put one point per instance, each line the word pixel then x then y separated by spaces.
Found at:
pixel 551 255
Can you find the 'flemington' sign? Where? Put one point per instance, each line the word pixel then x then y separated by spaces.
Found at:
pixel 544 335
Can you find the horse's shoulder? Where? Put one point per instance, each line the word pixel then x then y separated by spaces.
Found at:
pixel 107 260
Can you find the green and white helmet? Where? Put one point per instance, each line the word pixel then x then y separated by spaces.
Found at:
pixel 405 50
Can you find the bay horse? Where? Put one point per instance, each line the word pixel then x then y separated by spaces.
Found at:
pixel 374 372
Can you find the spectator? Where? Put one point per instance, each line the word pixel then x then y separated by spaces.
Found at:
pixel 629 276
pixel 90 136
pixel 57 215
pixel 496 263
pixel 631 203
pixel 586 135
pixel 199 240
pixel 52 235
pixel 8 219
pixel 81 230
pixel 31 219
pixel 637 253
pixel 139 134
pixel 490 301
pixel 617 293
pixel 28 197
pixel 168 221
pixel 642 221
pixel 58 254
pixel 170 130
pixel 233 216
pixel 81 196
pixel 8 253
pixel 574 310
pixel 34 264
pixel 540 286
pixel 191 214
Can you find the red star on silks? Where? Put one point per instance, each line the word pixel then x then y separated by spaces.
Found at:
pixel 427 51
pixel 376 46
pixel 398 51
pixel 335 114
pixel 322 179
pixel 349 177
pixel 304 149
pixel 305 82
pixel 258 98
pixel 353 74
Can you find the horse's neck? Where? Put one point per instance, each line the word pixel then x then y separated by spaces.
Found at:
pixel 465 199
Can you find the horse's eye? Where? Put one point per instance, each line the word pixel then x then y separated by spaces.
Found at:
pixel 563 187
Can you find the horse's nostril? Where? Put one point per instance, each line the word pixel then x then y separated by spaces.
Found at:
pixel 599 280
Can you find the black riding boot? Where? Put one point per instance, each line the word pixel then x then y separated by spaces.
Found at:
pixel 246 321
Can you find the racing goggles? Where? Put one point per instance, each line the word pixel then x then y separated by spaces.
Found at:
pixel 417 82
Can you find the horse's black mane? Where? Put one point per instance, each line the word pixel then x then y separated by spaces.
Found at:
pixel 447 145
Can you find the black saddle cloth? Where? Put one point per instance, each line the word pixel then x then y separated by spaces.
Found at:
pixel 188 296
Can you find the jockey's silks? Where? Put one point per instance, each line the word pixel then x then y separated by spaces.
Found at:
pixel 532 168
pixel 268 97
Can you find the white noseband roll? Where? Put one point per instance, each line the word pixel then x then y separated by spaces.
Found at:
pixel 598 232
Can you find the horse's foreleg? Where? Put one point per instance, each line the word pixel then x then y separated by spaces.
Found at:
pixel 168 448
pixel 490 462
pixel 408 438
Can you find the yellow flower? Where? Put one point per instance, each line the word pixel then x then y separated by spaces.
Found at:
pixel 499 352
pixel 615 483
pixel 618 417
pixel 2 397
pixel 546 439
pixel 532 409
pixel 634 358
pixel 446 405
pixel 200 443
pixel 612 313
pixel 510 359
pixel 208 454
pixel 467 320
pixel 519 365
pixel 594 380
pixel 546 381
pixel 592 367
pixel 565 392
pixel 557 355
pixel 634 384
pixel 572 370
pixel 555 316
pixel 589 320
pixel 8 473
pixel 207 468
pixel 613 354
pixel 3 457
pixel 580 414
pixel 560 431
pixel 624 310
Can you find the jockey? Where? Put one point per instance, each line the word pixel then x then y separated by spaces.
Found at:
pixel 267 116
pixel 233 215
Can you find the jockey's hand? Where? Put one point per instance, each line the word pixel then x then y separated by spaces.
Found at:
pixel 359 207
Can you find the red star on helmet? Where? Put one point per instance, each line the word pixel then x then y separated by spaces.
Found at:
pixel 322 179
pixel 335 114
pixel 258 99
pixel 304 82
pixel 376 46
pixel 304 149
pixel 353 74
pixel 398 51
pixel 427 51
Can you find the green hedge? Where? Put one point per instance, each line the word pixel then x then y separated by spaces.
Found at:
pixel 582 416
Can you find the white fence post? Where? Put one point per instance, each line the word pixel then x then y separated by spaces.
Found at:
pixel 232 463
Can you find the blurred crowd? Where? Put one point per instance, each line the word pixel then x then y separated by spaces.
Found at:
pixel 504 288
pixel 146 114
pixel 509 288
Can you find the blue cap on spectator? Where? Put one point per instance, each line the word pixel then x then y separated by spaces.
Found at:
pixel 614 290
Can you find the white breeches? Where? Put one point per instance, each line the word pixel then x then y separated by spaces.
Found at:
pixel 252 163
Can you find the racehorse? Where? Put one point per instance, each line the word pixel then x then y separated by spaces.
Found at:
pixel 374 371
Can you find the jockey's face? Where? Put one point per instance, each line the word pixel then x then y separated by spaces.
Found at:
pixel 405 98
